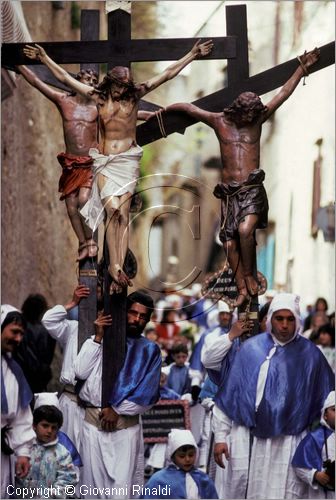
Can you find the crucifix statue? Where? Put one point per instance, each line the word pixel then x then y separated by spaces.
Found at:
pixel 80 129
pixel 116 160
pixel 244 205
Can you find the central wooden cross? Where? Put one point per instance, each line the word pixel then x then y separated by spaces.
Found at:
pixel 120 49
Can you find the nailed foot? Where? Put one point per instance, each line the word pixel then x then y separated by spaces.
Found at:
pixel 241 299
pixel 119 276
pixel 83 252
pixel 252 285
pixel 115 288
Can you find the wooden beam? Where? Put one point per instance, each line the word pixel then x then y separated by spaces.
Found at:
pixel 114 345
pixel 102 51
pixel 90 32
pixel 260 84
pixel 236 25
pixel 119 29
pixel 87 308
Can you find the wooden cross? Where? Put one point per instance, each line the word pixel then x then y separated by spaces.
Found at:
pixel 119 49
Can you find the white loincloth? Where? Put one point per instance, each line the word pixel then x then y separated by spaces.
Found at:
pixel 121 172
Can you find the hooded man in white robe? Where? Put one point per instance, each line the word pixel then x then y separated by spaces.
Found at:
pixel 274 389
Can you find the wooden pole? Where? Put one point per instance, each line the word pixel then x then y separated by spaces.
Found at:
pixel 87 309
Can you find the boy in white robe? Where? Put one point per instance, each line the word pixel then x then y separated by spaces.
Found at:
pixel 180 479
pixel 314 452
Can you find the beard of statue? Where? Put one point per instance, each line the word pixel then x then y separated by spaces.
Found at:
pixel 247 108
pixel 119 77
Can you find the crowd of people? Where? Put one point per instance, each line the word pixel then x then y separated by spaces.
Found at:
pixel 262 410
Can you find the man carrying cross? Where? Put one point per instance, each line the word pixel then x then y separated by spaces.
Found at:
pixel 111 437
pixel 244 205
pixel 116 161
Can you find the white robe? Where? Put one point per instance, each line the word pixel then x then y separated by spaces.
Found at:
pixel 65 331
pixel 267 473
pixel 110 459
pixel 21 436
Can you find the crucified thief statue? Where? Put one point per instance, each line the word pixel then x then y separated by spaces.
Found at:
pixel 244 205
pixel 116 161
pixel 80 128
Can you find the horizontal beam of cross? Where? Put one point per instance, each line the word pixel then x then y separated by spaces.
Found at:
pixel 260 84
pixel 84 52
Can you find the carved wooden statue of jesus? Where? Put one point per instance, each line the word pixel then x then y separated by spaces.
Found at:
pixel 244 205
pixel 116 161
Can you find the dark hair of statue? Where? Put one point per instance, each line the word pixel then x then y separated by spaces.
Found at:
pixel 116 76
pixel 245 103
pixel 80 74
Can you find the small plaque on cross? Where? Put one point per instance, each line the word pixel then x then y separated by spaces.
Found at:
pixel 221 286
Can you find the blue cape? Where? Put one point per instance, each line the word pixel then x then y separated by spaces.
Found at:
pixel 209 389
pixel 68 444
pixel 178 379
pixel 176 480
pixel 298 381
pixel 308 454
pixel 195 358
pixel 139 378
pixel 166 393
pixel 221 377
pixel 25 393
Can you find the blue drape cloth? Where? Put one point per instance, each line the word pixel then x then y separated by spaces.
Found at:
pixel 209 389
pixel 166 393
pixel 195 358
pixel 176 480
pixel 139 378
pixel 178 379
pixel 298 381
pixel 308 454
pixel 68 444
pixel 25 393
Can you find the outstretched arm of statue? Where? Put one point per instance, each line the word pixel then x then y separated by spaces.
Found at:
pixel 198 50
pixel 305 62
pixel 37 52
pixel 35 81
pixel 145 115
pixel 195 112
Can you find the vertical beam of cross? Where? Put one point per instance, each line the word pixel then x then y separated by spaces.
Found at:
pixel 90 32
pixel 236 25
pixel 87 309
pixel 114 345
pixel 119 28
pixel 238 72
